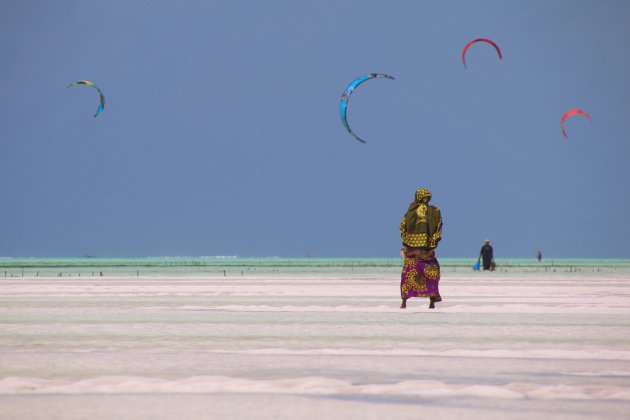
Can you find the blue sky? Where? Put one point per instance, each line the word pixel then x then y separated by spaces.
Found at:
pixel 221 134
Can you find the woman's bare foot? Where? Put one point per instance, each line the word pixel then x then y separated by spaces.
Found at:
pixel 432 303
pixel 403 305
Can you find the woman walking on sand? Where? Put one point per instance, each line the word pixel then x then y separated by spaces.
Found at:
pixel 420 230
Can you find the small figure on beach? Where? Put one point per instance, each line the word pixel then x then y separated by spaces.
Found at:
pixel 420 231
pixel 538 255
pixel 487 256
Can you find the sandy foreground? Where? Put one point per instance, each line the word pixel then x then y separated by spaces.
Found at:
pixel 500 346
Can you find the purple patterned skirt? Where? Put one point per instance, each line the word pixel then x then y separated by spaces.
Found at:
pixel 420 274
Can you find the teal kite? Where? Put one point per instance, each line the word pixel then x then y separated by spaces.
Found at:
pixel 101 106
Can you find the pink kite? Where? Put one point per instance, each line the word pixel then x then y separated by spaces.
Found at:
pixel 570 113
pixel 496 47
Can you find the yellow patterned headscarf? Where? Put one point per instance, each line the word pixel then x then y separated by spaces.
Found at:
pixel 423 195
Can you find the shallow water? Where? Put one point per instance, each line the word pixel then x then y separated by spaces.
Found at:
pixel 282 267
pixel 501 345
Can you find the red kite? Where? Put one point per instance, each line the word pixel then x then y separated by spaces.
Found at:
pixel 496 47
pixel 570 113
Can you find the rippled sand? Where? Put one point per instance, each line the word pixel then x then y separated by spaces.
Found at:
pixel 500 346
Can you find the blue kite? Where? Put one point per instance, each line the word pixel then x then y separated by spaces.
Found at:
pixel 101 106
pixel 346 97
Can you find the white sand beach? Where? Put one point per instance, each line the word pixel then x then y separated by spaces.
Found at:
pixel 500 346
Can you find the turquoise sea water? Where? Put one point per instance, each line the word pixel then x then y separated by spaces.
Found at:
pixel 243 266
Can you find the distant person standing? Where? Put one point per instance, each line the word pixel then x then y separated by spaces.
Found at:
pixel 538 255
pixel 420 231
pixel 486 255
